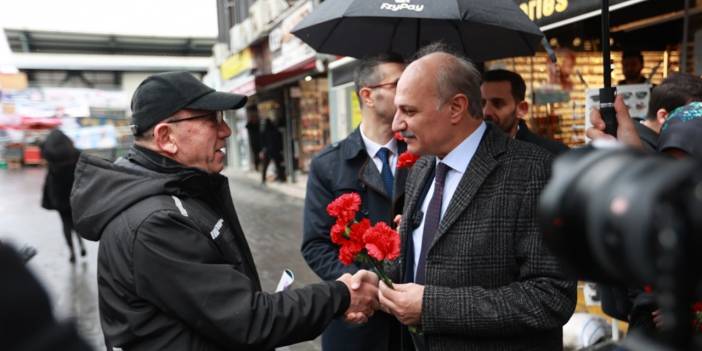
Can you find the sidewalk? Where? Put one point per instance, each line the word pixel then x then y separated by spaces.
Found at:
pixel 296 190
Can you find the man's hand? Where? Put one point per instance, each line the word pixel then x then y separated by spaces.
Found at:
pixel 363 287
pixel 404 302
pixel 626 131
pixel 397 220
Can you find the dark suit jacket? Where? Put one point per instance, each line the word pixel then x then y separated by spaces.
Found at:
pixel 553 146
pixel 342 168
pixel 491 283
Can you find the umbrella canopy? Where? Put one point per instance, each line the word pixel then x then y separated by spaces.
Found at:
pixel 481 29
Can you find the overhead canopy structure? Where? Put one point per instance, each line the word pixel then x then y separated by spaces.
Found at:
pixel 62 42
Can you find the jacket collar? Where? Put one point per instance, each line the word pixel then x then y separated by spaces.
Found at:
pixel 493 144
pixel 353 145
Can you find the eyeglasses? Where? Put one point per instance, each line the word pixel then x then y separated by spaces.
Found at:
pixel 382 85
pixel 217 116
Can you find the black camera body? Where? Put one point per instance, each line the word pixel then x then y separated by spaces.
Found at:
pixel 625 218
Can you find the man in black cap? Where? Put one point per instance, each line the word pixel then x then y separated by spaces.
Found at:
pixel 174 269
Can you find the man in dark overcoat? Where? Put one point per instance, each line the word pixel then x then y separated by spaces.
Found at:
pixel 364 163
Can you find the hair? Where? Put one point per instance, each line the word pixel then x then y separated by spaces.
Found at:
pixel 675 91
pixel 632 54
pixel 367 73
pixel 457 76
pixel 517 85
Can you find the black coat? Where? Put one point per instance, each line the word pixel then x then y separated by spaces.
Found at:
pixel 552 146
pixel 174 269
pixel 61 156
pixel 342 168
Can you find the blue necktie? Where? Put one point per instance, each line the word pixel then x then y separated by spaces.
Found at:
pixel 386 171
pixel 431 220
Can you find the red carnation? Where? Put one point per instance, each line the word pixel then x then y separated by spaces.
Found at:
pixel 399 137
pixel 406 160
pixel 337 233
pixel 348 251
pixel 382 242
pixel 358 229
pixel 344 207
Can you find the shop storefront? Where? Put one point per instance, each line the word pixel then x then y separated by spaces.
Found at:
pixel 558 92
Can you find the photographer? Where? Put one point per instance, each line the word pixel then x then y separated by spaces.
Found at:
pixel 680 135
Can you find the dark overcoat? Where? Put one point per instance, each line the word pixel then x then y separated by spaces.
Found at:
pixel 491 283
pixel 341 168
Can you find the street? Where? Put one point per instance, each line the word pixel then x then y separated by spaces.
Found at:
pixel 272 223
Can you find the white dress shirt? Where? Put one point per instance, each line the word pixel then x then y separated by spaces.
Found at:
pixel 457 160
pixel 372 149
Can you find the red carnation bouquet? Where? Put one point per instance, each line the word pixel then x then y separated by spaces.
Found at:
pixel 697 316
pixel 358 240
pixel 406 159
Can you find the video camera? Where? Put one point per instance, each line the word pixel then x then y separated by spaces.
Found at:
pixel 622 217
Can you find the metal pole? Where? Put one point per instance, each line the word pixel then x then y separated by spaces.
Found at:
pixel 683 53
pixel 607 60
pixel 607 93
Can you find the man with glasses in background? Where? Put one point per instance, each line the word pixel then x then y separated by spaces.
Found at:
pixel 365 163
pixel 174 269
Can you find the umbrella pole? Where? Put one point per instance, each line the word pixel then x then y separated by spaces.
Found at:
pixel 607 93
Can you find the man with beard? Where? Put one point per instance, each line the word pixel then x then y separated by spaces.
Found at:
pixel 365 163
pixel 503 100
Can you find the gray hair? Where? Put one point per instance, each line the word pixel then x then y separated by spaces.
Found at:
pixel 457 76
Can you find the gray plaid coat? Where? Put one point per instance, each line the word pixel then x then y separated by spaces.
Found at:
pixel 491 284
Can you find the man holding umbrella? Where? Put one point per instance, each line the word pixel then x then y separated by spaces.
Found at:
pixel 480 276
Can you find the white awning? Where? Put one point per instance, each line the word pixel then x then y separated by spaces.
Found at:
pixel 86 62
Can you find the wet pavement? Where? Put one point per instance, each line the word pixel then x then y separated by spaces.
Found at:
pixel 272 223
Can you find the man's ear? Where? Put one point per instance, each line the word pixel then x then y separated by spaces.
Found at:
pixel 164 139
pixel 661 116
pixel 365 96
pixel 459 106
pixel 522 109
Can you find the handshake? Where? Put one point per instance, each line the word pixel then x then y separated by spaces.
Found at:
pixel 368 295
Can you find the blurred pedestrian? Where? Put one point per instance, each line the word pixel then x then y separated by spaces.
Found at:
pixel 632 64
pixel 175 271
pixel 61 156
pixel 26 317
pixel 253 129
pixel 272 151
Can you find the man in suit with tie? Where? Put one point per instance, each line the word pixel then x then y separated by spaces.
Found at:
pixel 479 274
pixel 365 163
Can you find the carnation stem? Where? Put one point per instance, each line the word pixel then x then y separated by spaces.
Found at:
pixel 378 268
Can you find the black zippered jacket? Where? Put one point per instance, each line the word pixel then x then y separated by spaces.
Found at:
pixel 174 269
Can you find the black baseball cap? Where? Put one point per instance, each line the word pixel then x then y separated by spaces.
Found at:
pixel 161 95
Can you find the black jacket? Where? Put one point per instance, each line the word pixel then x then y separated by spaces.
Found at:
pixel 61 155
pixel 174 269
pixel 342 168
pixel 649 138
pixel 552 146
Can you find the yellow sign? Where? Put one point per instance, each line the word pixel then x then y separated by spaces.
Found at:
pixel 236 64
pixel 538 9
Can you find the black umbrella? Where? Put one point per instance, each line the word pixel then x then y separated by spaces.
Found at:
pixel 481 29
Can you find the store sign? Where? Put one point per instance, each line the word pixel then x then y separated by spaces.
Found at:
pixel 244 85
pixel 286 49
pixel 237 63
pixel 545 12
